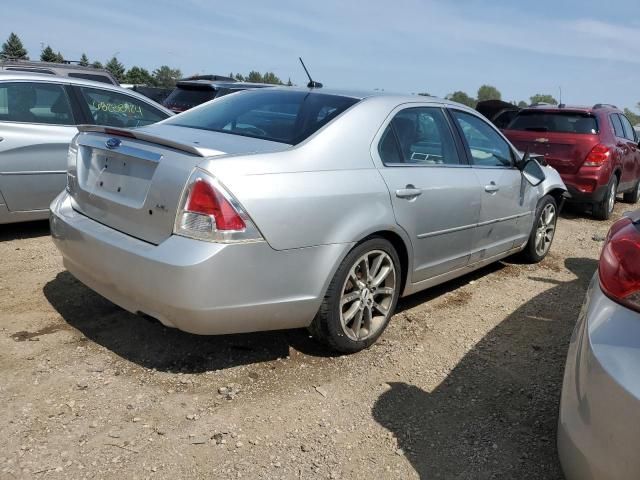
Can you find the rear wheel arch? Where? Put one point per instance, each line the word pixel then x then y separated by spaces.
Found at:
pixel 401 249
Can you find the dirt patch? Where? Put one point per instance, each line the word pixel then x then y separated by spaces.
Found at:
pixel 464 383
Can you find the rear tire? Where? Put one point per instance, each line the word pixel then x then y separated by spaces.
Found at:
pixel 634 195
pixel 544 229
pixel 360 299
pixel 603 209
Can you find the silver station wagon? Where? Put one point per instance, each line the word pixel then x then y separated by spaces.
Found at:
pixel 285 208
pixel 38 118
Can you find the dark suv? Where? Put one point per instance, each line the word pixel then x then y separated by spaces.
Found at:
pixel 595 150
pixel 191 92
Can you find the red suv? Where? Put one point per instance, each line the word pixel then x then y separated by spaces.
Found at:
pixel 594 149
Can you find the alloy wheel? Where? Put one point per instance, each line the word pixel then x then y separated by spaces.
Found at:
pixel 545 229
pixel 367 295
pixel 612 197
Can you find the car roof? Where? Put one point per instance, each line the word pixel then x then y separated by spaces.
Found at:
pixel 221 84
pixel 598 107
pixel 6 76
pixel 60 69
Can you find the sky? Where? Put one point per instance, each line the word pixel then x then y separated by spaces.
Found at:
pixel 589 48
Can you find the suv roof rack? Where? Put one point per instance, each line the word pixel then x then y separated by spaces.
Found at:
pixel 213 78
pixel 604 105
pixel 542 104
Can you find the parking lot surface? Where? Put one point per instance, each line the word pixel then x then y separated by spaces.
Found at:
pixel 464 383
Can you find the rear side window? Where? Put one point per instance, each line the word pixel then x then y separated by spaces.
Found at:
pixel 418 136
pixel 560 122
pixel 285 116
pixel 629 133
pixel 114 109
pixel 487 147
pixel 189 97
pixel 35 103
pixel 617 125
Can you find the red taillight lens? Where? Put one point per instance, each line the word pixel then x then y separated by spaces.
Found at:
pixel 597 156
pixel 205 199
pixel 619 267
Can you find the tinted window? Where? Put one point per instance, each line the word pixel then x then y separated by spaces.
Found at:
pixel 628 129
pixel 35 103
pixel 562 122
pixel 186 98
pixel 419 136
pixel 286 116
pixel 487 147
pixel 92 76
pixel 617 126
pixel 116 109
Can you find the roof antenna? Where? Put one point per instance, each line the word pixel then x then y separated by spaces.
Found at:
pixel 312 83
pixel 561 105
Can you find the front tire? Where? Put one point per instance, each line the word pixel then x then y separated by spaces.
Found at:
pixel 361 297
pixel 544 229
pixel 603 209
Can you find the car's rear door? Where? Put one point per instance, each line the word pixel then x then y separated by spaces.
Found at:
pixel 508 201
pixel 434 193
pixel 631 171
pixel 36 126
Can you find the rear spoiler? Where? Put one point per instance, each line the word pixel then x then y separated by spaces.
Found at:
pixel 129 133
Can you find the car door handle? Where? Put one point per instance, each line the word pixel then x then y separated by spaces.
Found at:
pixel 491 188
pixel 408 192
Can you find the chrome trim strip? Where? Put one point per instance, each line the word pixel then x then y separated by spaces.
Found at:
pixel 37 172
pixel 466 227
pixel 127 150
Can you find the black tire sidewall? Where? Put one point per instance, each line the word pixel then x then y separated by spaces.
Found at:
pixel 332 328
pixel 529 252
pixel 601 209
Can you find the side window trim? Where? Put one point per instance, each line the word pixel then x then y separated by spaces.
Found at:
pixel 626 123
pixel 467 147
pixel 62 85
pixel 458 146
pixel 612 119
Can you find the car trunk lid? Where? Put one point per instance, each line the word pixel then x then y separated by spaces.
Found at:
pixel 132 180
pixel 565 152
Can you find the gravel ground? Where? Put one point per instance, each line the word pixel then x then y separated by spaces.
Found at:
pixel 464 383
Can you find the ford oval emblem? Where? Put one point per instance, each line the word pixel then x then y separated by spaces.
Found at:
pixel 113 143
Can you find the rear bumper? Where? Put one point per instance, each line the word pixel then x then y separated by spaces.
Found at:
pixel 579 196
pixel 196 286
pixel 589 185
pixel 598 432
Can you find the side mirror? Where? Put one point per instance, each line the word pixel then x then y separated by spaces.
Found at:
pixel 533 172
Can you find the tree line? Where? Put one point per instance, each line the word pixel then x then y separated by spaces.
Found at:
pixel 163 76
pixel 166 76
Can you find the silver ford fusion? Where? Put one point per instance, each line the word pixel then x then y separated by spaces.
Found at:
pixel 285 208
pixel 598 429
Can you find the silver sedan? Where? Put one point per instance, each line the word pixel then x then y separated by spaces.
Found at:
pixel 598 430
pixel 288 208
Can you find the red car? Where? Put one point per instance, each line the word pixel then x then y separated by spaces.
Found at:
pixel 595 150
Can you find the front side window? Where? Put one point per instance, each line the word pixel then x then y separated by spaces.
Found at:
pixel 629 133
pixel 286 116
pixel 35 103
pixel 418 136
pixel 114 109
pixel 487 148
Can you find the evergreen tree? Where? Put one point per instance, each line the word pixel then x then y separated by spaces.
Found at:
pixel 59 58
pixel 166 76
pixel 13 48
pixel 289 84
pixel 255 77
pixel 84 60
pixel 97 64
pixel 270 77
pixel 239 77
pixel 48 55
pixel 116 68
pixel 139 76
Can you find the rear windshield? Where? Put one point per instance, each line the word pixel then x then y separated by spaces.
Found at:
pixel 561 122
pixel 189 97
pixel 277 115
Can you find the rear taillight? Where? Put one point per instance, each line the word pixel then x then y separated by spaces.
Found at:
pixel 597 156
pixel 619 266
pixel 209 212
